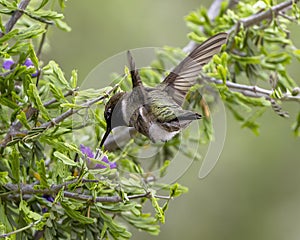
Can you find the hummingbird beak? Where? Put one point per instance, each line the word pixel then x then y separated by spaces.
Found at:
pixel 108 129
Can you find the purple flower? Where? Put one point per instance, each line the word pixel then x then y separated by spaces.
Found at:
pixel 7 64
pixel 87 151
pixel 28 63
pixel 96 165
pixel 48 198
pixel 105 159
pixel 34 74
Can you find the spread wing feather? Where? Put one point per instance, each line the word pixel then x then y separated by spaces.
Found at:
pixel 185 74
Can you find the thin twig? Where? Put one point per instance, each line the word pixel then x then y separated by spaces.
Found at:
pixel 15 17
pixel 20 229
pixel 54 100
pixel 39 51
pixel 70 112
pixel 254 91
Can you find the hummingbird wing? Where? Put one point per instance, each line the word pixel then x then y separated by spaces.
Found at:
pixel 185 74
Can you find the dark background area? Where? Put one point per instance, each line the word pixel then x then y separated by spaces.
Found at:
pixel 253 192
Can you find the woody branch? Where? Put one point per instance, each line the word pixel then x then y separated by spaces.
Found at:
pixel 15 190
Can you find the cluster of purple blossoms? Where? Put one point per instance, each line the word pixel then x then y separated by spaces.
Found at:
pixel 8 63
pixel 89 153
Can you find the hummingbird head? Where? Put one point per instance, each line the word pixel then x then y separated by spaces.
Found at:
pixel 113 114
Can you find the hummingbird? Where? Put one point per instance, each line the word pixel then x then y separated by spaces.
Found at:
pixel 157 112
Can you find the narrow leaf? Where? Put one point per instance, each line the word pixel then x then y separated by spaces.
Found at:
pixel 43 3
pixel 30 215
pixel 76 215
pixel 74 78
pixel 159 212
pixel 62 25
pixel 57 93
pixel 35 98
pixel 15 166
pixel 42 172
pixel 8 36
pixel 58 74
pixel 65 159
pixel 22 118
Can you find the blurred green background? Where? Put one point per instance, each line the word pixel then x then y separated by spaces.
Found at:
pixel 253 192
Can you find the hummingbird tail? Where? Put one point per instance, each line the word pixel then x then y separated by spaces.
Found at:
pixel 135 76
pixel 189 116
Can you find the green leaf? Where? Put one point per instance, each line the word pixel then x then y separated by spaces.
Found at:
pixel 296 53
pixel 29 215
pixel 9 5
pixel 74 78
pixel 248 59
pixel 116 230
pixel 2 28
pixel 42 172
pixel 222 73
pixel 59 75
pixel 235 112
pixel 193 17
pixel 72 147
pixel 3 178
pixel 7 102
pixel 62 4
pixel 62 25
pixel 195 37
pixel 33 56
pixel 103 230
pixel 30 32
pixel 57 93
pixel 4 219
pixel 15 166
pixel 163 169
pixel 251 121
pixel 44 16
pixel 277 58
pixel 258 102
pixel 8 36
pixel 143 222
pixel 35 98
pixel 22 118
pixel 76 215
pixel 176 190
pixel 65 159
pixel 296 126
pixel 71 105
pixel 159 212
pixel 43 3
